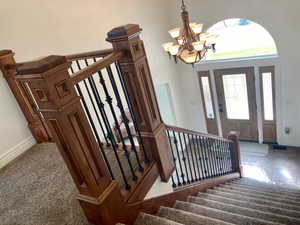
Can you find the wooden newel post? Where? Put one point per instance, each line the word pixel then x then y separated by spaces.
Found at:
pixel 139 83
pixel 51 87
pixel 8 68
pixel 235 152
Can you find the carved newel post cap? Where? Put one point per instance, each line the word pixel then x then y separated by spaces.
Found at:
pixel 124 32
pixel 41 65
pixel 5 52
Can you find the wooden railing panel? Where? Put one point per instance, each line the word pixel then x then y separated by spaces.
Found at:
pixel 57 100
pixel 37 126
pixel 138 79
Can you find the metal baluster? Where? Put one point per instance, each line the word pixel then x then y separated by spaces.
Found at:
pixel 204 157
pixel 214 160
pixel 107 125
pixel 200 157
pixel 178 157
pixel 123 114
pixel 218 162
pixel 173 181
pixel 230 159
pixel 210 171
pixel 196 158
pixel 188 158
pixel 184 158
pixel 174 159
pixel 212 157
pixel 130 106
pixel 109 101
pixel 98 118
pixel 100 105
pixel 191 154
pixel 94 129
pixel 222 158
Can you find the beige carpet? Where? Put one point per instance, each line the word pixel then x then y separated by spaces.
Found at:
pixel 38 190
pixel 240 202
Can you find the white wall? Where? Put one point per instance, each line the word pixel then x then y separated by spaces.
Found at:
pixel 35 28
pixel 280 18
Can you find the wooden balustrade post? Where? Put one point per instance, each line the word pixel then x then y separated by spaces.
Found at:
pixel 235 152
pixel 139 83
pixel 35 124
pixel 50 84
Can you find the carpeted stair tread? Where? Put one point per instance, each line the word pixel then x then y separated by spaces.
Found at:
pixel 250 212
pixel 255 183
pixel 188 218
pixel 280 191
pixel 260 196
pixel 266 208
pixel 254 199
pixel 220 214
pixel 271 189
pixel 146 219
pixel 261 192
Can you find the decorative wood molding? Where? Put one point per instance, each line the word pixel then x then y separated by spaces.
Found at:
pixel 138 79
pixel 50 84
pixel 36 124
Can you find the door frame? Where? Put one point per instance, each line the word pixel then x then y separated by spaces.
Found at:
pixel 256 62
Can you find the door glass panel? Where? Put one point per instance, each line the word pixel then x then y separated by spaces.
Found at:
pixel 268 96
pixel 207 98
pixel 236 96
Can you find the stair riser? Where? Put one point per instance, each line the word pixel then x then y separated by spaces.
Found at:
pixel 261 192
pixel 254 200
pixel 244 211
pixel 265 208
pixel 183 217
pixel 268 186
pixel 260 196
pixel 220 215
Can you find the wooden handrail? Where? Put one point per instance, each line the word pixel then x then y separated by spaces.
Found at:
pixel 95 67
pixel 183 130
pixel 91 54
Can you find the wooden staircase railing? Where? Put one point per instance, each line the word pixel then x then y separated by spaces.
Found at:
pixel 82 99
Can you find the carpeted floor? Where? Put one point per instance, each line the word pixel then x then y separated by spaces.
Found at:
pixel 38 190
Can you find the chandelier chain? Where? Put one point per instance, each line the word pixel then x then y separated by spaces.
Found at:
pixel 183 6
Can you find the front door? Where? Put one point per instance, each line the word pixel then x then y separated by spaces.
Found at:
pixel 237 102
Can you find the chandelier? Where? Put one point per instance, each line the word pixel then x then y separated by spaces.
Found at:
pixel 191 44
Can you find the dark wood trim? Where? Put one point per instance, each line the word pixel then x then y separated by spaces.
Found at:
pixel 138 79
pixel 144 184
pixel 95 67
pixel 208 120
pixel 37 127
pixel 235 152
pixel 91 54
pixel 179 129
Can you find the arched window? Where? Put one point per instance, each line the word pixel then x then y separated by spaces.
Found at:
pixel 239 38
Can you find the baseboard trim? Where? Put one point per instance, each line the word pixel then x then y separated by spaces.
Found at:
pixel 16 151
